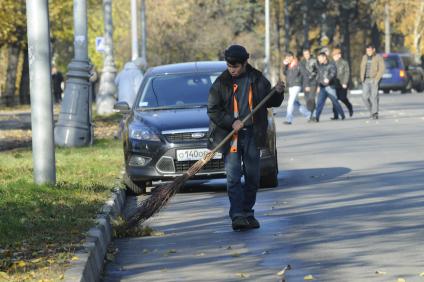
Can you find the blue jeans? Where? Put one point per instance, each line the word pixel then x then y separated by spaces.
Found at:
pixel 243 197
pixel 329 92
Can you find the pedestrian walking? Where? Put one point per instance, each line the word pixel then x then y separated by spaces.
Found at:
pixel 57 80
pixel 231 98
pixel 94 79
pixel 293 79
pixel 309 70
pixel 327 73
pixel 371 72
pixel 128 81
pixel 342 81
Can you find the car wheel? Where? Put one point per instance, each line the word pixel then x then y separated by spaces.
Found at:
pixel 420 87
pixel 407 88
pixel 386 91
pixel 270 180
pixel 135 188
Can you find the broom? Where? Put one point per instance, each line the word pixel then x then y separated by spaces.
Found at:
pixel 161 194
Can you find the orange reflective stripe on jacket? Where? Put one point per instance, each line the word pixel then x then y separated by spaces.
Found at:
pixel 233 147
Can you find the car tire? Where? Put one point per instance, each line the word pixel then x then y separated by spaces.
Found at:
pixel 270 180
pixel 386 91
pixel 134 188
pixel 407 88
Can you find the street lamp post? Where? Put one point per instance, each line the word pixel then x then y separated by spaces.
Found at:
pixel 143 31
pixel 107 89
pixel 43 155
pixel 73 128
pixel 134 34
pixel 267 39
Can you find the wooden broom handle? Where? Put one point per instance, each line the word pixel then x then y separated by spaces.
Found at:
pixel 258 106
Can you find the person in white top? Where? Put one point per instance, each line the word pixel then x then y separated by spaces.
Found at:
pixel 129 80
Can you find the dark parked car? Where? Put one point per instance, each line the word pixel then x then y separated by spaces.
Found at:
pixel 401 73
pixel 166 130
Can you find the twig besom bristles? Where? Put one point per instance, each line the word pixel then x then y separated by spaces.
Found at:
pixel 161 195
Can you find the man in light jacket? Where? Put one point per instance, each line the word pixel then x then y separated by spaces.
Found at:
pixel 293 78
pixel 128 81
pixel 372 70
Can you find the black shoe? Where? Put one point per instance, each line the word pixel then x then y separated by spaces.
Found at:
pixel 343 117
pixel 287 122
pixel 375 116
pixel 350 112
pixel 312 119
pixel 334 118
pixel 240 223
pixel 253 222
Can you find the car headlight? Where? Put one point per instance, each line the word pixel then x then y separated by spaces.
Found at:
pixel 143 133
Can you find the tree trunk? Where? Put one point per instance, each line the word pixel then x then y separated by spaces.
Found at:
pixel 277 36
pixel 305 22
pixel 324 40
pixel 24 86
pixel 286 25
pixel 344 26
pixel 418 27
pixel 12 67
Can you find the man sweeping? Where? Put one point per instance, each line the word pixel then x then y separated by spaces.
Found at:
pixel 232 97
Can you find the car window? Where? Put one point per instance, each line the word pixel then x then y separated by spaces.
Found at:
pixel 176 90
pixel 391 62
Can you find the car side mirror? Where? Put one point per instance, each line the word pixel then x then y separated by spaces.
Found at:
pixel 121 107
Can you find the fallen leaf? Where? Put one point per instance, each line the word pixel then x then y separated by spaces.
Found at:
pixel 157 233
pixel 37 260
pixel 4 275
pixel 309 277
pixel 284 270
pixel 21 263
pixel 243 275
pixel 422 274
pixel 145 251
pixel 51 261
pixel 172 251
pixel 400 279
pixel 74 258
pixel 200 254
pixel 235 255
pixel 61 277
pixel 380 272
pixel 265 252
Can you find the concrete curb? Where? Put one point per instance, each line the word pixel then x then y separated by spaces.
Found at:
pixel 89 265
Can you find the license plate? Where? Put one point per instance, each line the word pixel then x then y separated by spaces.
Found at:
pixel 387 75
pixel 194 154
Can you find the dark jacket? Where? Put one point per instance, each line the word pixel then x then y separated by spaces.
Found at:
pixel 220 108
pixel 343 72
pixel 327 71
pixel 309 70
pixel 293 75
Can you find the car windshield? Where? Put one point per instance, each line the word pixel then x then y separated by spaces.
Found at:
pixel 391 63
pixel 174 91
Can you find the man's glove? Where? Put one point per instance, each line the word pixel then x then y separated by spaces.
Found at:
pixel 279 87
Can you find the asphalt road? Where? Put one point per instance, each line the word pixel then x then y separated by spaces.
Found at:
pixel 349 207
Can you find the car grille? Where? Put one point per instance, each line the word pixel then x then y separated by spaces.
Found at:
pixel 185 137
pixel 212 165
pixel 166 165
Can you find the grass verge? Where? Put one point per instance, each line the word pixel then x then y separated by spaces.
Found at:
pixel 42 226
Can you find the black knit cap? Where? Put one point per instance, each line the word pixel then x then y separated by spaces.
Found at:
pixel 236 54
